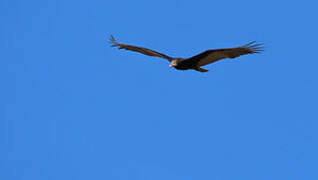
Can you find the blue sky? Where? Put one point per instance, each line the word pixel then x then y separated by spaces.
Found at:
pixel 74 108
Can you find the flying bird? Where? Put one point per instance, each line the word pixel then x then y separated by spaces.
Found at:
pixel 195 62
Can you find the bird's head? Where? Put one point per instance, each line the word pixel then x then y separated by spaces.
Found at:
pixel 173 63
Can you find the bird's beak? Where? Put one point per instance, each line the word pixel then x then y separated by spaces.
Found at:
pixel 172 64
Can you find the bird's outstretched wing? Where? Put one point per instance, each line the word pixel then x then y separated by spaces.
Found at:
pixel 214 55
pixel 137 49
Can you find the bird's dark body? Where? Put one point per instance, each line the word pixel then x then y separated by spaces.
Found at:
pixel 185 65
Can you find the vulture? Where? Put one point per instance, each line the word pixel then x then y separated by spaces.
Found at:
pixel 195 62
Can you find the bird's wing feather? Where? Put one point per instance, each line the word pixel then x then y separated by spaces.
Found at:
pixel 211 56
pixel 142 50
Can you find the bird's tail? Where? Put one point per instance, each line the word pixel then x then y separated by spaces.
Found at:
pixel 201 69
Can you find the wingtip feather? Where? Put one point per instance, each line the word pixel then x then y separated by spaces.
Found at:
pixel 112 38
pixel 255 47
pixel 113 41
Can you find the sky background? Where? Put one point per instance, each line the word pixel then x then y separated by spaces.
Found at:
pixel 71 107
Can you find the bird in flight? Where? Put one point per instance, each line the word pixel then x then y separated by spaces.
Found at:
pixel 195 62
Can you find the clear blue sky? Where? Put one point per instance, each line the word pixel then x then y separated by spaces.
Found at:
pixel 74 108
